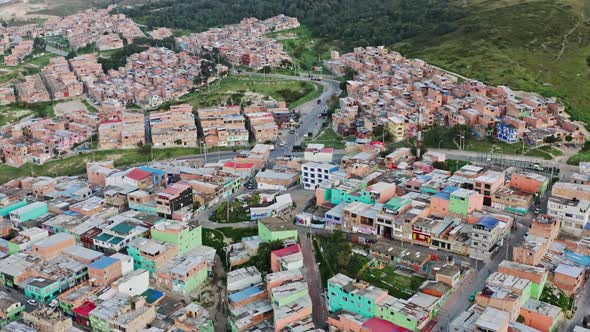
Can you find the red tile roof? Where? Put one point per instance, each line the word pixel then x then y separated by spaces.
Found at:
pixel 290 250
pixel 138 174
pixel 85 309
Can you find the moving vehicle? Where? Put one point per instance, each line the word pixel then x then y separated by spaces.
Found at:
pixel 292 131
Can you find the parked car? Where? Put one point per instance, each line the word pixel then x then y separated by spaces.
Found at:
pixel 537 211
pixel 32 302
pixel 472 296
pixel 53 304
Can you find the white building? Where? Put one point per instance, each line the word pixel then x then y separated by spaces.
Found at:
pixel 126 263
pixel 573 213
pixel 134 283
pixel 243 278
pixel 318 153
pixel 486 238
pixel 313 174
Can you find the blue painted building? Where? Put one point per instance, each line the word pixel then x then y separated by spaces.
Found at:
pixel 506 133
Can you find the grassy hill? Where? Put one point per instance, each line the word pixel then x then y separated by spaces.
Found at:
pixel 534 45
pixel 541 46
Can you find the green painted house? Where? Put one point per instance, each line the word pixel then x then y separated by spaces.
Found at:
pixel 29 212
pixel 274 229
pixel 537 288
pixel 10 309
pixel 42 289
pixel 182 234
pixel 348 192
pixel 388 309
pixel 396 204
pixel 184 273
pixel 5 211
pixel 149 254
pixel 464 201
pixel 356 297
pixel 288 293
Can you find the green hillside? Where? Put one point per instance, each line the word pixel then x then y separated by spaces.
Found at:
pixel 534 45
pixel 541 46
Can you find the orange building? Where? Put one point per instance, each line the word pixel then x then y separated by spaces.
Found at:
pixel 540 315
pixel 529 182
pixel 54 245
pixel 568 278
pixel 104 271
pixel 531 251
pixel 545 226
pixel 500 299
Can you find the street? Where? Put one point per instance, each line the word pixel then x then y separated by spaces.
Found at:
pixel 314 281
pixel 459 300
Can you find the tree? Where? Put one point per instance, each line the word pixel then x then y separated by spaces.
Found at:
pixel 71 55
pixel 262 259
pixel 569 138
pixel 254 199
pixel 144 148
pixel 550 139
pixel 178 141
pixel 39 44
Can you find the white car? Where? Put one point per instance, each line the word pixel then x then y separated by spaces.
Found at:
pixel 282 143
pixel 53 304
pixel 32 302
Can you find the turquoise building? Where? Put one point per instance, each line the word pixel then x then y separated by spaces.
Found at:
pixel 42 289
pixel 4 211
pixel 29 212
pixel 359 298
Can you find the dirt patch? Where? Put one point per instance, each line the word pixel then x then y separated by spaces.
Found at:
pixel 22 9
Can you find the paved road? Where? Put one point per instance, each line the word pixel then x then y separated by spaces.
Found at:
pixel 314 282
pixel 309 121
pixel 21 297
pixel 583 309
pixel 459 301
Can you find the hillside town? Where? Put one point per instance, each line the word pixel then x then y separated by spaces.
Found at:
pixel 266 224
pixel 420 95
pixel 244 43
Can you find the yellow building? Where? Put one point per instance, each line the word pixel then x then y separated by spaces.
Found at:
pixel 396 127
